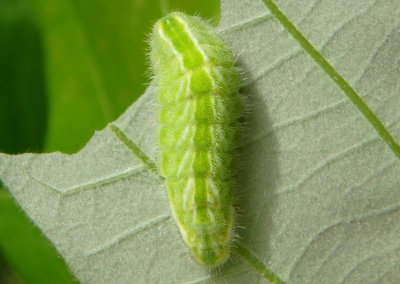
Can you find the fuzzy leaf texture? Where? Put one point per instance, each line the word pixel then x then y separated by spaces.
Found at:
pixel 319 194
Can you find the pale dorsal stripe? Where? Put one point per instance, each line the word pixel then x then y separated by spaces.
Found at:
pixel 194 39
pixel 199 48
pixel 174 51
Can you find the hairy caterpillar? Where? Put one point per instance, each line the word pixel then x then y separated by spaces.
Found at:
pixel 199 106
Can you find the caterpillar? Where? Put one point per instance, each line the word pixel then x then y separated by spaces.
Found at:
pixel 199 107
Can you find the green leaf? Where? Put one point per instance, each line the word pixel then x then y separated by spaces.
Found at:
pixel 22 87
pixel 26 256
pixel 21 244
pixel 7 275
pixel 95 62
pixel 318 185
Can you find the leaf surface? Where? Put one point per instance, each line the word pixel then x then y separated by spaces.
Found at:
pixel 318 187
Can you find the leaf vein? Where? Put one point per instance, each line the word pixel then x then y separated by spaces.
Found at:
pixel 354 268
pixel 325 163
pixel 247 23
pixel 90 185
pixel 257 264
pixel 135 149
pixel 337 78
pixel 129 233
pixel 356 219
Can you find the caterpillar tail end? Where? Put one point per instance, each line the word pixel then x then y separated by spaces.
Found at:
pixel 212 257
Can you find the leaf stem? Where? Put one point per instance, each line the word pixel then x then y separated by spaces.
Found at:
pixel 337 78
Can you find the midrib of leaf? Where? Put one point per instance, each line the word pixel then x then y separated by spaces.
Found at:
pixel 336 77
pixel 135 149
pixel 247 254
pixel 257 264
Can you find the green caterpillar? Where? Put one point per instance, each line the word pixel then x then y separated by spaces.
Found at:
pixel 199 107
